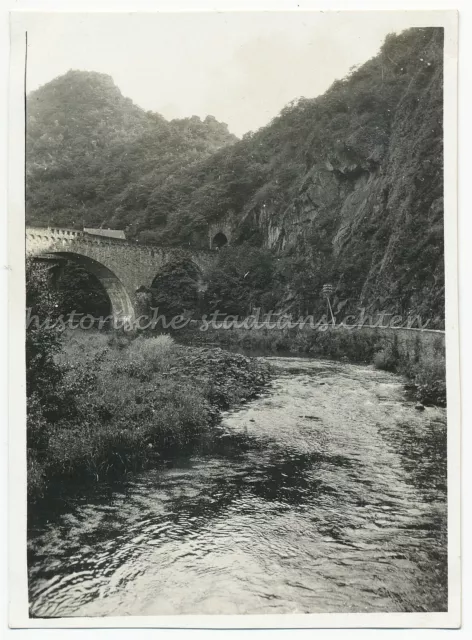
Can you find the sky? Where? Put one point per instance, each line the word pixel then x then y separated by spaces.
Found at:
pixel 242 68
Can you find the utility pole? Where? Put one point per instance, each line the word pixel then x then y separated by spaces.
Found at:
pixel 327 291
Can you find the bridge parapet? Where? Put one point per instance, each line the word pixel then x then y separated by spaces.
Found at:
pixel 56 233
pixel 53 232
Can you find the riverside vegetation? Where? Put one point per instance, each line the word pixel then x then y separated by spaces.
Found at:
pixel 420 358
pixel 105 404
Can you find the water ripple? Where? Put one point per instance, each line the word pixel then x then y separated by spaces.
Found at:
pixel 313 498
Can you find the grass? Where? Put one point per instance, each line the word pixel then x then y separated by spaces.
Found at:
pixel 135 399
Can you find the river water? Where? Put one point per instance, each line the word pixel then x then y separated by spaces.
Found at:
pixel 325 494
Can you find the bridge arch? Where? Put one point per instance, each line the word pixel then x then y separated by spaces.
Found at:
pixel 120 301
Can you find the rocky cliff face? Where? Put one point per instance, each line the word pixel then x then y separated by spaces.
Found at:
pixel 370 194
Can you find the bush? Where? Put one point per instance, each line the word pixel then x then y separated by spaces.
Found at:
pixel 48 400
pixel 36 483
pixel 431 380
pixel 381 360
pixel 388 358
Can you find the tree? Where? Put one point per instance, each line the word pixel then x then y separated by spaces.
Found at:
pixel 47 398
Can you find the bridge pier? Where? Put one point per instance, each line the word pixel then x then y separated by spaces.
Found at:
pixel 121 305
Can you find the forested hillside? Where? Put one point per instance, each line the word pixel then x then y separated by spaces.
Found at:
pixel 344 188
pixel 94 158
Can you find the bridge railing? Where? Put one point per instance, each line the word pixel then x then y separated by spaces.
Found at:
pixel 59 233
pixel 53 231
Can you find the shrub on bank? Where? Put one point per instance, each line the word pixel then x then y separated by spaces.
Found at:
pixel 388 357
pixel 430 377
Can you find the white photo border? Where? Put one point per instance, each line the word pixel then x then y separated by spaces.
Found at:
pixel 19 617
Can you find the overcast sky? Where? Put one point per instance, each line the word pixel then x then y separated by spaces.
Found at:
pixel 240 67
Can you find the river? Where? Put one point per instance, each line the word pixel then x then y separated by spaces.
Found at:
pixel 325 494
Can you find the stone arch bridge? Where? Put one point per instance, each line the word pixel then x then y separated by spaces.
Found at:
pixel 122 267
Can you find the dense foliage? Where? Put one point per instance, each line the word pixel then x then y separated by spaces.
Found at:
pixel 79 291
pixel 93 157
pixel 242 279
pixel 177 289
pixel 48 398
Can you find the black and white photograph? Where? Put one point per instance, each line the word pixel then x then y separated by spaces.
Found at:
pixel 235 233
